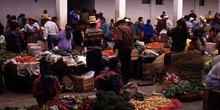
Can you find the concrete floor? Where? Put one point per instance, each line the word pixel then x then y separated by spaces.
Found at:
pixel 16 99
pixel 19 99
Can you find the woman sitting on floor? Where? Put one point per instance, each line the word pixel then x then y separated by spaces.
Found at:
pixel 112 80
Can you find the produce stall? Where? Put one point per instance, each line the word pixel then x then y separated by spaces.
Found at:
pixel 20 72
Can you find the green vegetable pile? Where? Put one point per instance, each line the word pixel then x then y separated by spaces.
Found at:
pixel 139 47
pixel 110 101
pixel 184 89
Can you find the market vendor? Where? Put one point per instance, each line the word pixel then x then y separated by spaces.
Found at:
pixel 112 80
pixel 213 77
pixel 46 87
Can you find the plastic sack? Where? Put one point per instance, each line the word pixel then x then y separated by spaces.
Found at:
pixel 88 75
pixel 175 104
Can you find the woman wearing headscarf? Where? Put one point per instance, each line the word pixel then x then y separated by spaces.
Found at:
pixel 12 38
pixel 112 80
pixel 46 88
pixel 65 38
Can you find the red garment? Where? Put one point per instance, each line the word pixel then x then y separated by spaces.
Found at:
pixel 193 47
pixel 160 26
pixel 42 95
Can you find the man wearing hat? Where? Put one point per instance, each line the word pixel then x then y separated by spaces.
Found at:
pixel 93 42
pixel 50 33
pixel 124 41
pixel 160 25
pixel 169 24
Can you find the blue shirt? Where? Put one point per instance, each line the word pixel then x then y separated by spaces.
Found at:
pixel 148 30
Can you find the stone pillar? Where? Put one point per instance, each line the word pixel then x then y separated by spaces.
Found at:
pixel 120 8
pixel 218 5
pixel 177 10
pixel 196 10
pixel 61 12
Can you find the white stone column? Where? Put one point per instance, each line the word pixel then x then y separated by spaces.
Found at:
pixel 177 10
pixel 218 5
pixel 120 8
pixel 61 12
pixel 196 11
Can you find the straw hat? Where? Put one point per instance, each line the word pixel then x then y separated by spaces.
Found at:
pixel 166 17
pixel 158 17
pixel 128 20
pixel 46 18
pixel 201 17
pixel 92 19
pixel 191 19
pixel 119 19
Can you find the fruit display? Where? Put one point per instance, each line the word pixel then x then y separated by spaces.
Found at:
pixel 151 103
pixel 25 59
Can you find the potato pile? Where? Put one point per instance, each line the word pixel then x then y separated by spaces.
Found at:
pixel 151 103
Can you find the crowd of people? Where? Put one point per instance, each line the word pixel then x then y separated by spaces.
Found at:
pixel 89 31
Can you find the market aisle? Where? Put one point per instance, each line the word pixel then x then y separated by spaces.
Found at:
pixel 12 99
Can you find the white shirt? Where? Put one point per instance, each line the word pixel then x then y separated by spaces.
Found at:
pixel 169 24
pixel 50 28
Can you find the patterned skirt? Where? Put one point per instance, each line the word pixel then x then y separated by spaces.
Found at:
pixel 32 38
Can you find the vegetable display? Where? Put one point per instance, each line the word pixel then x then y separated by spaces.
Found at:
pixel 151 103
pixel 110 101
pixel 172 78
pixel 184 89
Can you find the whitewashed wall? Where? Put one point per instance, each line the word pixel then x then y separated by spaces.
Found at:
pixel 134 8
pixel 28 7
pixel 189 5
pixel 107 7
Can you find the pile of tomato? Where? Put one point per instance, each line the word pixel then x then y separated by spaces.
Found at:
pixel 155 45
pixel 25 59
pixel 109 52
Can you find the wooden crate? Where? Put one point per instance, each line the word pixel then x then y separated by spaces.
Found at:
pixel 81 84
